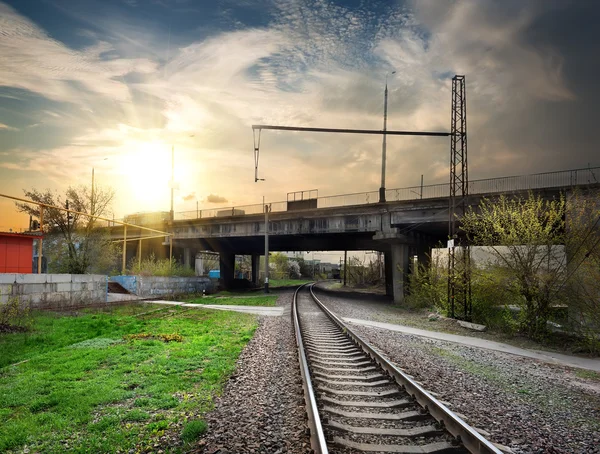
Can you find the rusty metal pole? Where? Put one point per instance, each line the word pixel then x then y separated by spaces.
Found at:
pixel 40 243
pixel 124 249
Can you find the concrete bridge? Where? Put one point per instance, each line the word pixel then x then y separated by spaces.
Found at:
pixel 410 223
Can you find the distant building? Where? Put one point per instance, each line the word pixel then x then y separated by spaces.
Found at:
pixel 16 253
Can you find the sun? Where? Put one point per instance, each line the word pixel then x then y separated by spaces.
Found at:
pixel 146 169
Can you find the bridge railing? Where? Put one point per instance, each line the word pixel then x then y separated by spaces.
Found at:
pixel 563 178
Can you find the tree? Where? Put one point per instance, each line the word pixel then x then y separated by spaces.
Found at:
pixel 75 242
pixel 583 254
pixel 524 235
pixel 280 263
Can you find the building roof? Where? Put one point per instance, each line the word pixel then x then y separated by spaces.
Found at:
pixel 32 235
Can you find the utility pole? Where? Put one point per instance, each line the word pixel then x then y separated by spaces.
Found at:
pixel 384 144
pixel 172 213
pixel 92 201
pixel 40 242
pixel 345 265
pixel 266 207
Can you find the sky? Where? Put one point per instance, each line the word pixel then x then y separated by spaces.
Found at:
pixel 113 85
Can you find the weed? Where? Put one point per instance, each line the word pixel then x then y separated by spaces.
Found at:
pixel 136 416
pixel 148 336
pixel 193 429
pixel 15 315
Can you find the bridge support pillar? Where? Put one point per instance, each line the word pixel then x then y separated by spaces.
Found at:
pixel 187 257
pixel 255 268
pixel 396 247
pixel 227 268
pixel 396 271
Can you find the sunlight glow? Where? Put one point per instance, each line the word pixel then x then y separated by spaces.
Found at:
pixel 146 171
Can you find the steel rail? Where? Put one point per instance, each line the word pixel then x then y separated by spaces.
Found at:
pixel 354 131
pixel 467 435
pixel 317 436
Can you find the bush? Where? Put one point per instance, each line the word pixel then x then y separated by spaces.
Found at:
pixel 155 267
pixel 14 315
pixel 193 429
pixel 491 296
pixel 428 288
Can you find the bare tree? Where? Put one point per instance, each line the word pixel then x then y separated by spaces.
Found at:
pixel 79 238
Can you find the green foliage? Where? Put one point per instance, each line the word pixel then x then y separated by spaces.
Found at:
pixel 14 315
pixel 152 266
pixel 428 288
pixel 491 296
pixel 279 261
pixel 114 397
pixel 193 429
pixel 523 236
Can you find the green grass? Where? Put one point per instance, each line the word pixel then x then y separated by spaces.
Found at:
pixel 273 283
pixel 236 300
pixel 587 374
pixel 76 384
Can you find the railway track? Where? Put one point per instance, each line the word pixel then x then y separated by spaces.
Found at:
pixel 358 401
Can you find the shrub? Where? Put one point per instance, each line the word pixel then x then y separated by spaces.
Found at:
pixel 14 315
pixel 157 267
pixel 491 296
pixel 428 287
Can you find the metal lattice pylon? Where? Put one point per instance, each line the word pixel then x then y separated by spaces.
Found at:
pixel 459 279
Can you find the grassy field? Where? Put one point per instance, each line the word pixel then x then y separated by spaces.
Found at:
pixel 114 381
pixel 247 300
pixel 273 283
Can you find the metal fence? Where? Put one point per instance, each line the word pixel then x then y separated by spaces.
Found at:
pixel 563 178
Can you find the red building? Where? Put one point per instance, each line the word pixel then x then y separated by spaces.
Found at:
pixel 16 252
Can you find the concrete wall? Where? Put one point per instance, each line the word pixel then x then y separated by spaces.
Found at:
pixel 157 286
pixel 46 291
pixel 129 283
pixel 148 286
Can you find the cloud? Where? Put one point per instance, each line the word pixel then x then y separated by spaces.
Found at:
pixel 314 64
pixel 213 198
pixel 34 61
pixel 188 197
pixel 4 127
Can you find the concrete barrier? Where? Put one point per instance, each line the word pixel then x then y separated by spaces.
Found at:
pixel 49 291
pixel 147 286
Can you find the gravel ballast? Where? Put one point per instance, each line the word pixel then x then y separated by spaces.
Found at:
pixel 530 406
pixel 262 406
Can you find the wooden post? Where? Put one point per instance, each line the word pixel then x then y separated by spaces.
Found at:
pixel 124 249
pixel 40 243
pixel 140 253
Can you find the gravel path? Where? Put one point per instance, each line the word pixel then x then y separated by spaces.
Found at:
pixel 527 405
pixel 262 408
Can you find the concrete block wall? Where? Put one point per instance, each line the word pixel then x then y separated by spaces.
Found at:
pixel 48 291
pixel 148 286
